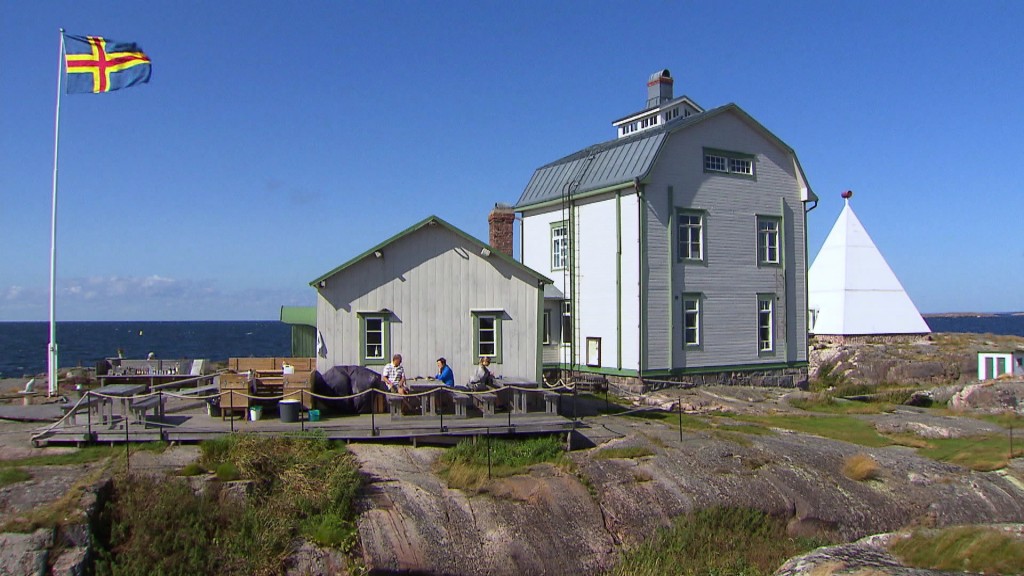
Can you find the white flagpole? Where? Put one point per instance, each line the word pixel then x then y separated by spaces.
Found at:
pixel 52 348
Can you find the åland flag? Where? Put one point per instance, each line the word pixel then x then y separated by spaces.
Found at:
pixel 96 64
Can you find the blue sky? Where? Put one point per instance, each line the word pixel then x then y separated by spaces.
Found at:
pixel 276 141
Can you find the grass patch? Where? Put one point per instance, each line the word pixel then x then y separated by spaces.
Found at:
pixel 10 476
pixel 624 452
pixel 192 469
pixel 829 404
pixel 981 453
pixel 301 487
pixel 65 510
pixel 844 428
pixel 465 466
pixel 715 542
pixel 962 548
pixel 861 467
pixel 86 455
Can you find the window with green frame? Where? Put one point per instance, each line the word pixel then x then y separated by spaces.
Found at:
pixel 768 240
pixel 374 337
pixel 728 162
pixel 765 323
pixel 487 335
pixel 547 327
pixel 691 320
pixel 689 235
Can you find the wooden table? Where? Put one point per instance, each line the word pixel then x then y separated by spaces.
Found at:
pixel 122 391
pixel 519 396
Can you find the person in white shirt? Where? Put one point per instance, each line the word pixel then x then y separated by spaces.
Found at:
pixel 394 375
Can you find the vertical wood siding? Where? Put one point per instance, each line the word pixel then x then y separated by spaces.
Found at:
pixel 431 280
pixel 730 278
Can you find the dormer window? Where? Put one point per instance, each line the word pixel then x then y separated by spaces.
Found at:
pixel 726 162
pixel 671 114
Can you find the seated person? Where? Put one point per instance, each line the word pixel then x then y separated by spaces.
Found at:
pixel 393 376
pixel 444 373
pixel 482 379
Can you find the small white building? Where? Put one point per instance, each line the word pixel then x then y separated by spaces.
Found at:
pixel 433 291
pixel 992 365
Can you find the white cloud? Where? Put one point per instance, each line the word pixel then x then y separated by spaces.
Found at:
pixel 153 297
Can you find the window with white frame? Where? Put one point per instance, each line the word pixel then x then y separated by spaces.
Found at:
pixel 767 240
pixel 487 335
pixel 670 114
pixel 690 235
pixel 765 323
pixel 559 245
pixel 566 322
pixel 374 338
pixel 547 327
pixel 691 320
pixel 727 162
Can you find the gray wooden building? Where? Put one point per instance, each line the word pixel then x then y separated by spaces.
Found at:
pixel 678 248
pixel 432 291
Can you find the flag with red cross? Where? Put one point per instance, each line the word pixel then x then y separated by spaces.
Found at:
pixel 97 64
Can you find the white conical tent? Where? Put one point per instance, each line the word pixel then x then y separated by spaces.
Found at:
pixel 852 291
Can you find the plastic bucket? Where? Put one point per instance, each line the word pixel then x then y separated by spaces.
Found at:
pixel 314 415
pixel 255 412
pixel 289 410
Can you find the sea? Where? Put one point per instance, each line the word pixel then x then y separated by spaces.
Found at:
pixel 23 344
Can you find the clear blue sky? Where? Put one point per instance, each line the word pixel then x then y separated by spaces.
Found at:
pixel 278 140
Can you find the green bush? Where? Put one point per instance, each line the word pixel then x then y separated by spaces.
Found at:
pixel 307 487
pixel 227 471
pixel 192 469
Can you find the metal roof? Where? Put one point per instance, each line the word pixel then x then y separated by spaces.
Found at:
pixel 622 160
pixel 602 165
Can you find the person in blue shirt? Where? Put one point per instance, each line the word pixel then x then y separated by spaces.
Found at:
pixel 444 373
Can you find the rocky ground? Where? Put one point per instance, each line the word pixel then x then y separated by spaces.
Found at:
pixel 577 519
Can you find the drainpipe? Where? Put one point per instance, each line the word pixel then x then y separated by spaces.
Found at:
pixel 643 255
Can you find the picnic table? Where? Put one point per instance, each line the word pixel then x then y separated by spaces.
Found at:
pixel 123 392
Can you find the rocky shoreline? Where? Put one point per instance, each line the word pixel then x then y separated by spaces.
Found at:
pixel 555 522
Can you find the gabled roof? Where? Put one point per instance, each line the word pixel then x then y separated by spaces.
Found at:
pixel 621 161
pixel 852 289
pixel 435 221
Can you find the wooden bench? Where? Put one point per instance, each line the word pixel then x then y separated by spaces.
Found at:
pixel 143 405
pixel 551 400
pixel 485 402
pixel 199 391
pixel 461 402
pixel 73 408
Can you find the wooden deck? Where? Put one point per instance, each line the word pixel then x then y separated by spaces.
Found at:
pixel 194 424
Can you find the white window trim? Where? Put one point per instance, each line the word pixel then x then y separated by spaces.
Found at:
pixel 766 346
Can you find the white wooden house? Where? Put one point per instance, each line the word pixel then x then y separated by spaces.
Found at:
pixel 677 249
pixel 996 364
pixel 431 291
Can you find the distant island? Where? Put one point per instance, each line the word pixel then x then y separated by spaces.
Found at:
pixel 971 314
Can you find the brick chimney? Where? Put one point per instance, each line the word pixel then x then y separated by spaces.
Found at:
pixel 501 220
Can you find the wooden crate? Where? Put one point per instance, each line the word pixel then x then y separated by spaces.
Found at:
pixel 299 381
pixel 232 387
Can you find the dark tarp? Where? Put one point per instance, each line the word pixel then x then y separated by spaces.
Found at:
pixel 345 381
